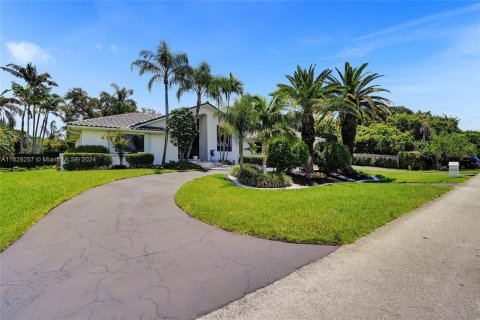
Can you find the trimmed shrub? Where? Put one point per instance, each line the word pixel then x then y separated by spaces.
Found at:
pixel 137 160
pixel 258 160
pixel 253 177
pixel 331 156
pixel 411 160
pixel 88 149
pixel 284 155
pixel 182 165
pixel 86 161
pixel 375 162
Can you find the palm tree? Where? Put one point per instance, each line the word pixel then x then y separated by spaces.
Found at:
pixel 355 86
pixel 309 94
pixel 166 66
pixel 272 122
pixel 196 80
pixel 51 105
pixel 243 119
pixel 27 98
pixel 8 110
pixel 117 103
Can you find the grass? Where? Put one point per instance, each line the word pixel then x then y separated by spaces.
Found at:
pixel 25 197
pixel 334 214
pixel 404 176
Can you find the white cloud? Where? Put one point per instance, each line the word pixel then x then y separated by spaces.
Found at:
pixel 25 52
pixel 113 48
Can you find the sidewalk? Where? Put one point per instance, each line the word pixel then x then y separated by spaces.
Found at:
pixel 425 265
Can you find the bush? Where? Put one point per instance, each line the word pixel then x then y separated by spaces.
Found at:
pixel 411 160
pixel 182 165
pixel 382 139
pixel 86 161
pixel 284 155
pixel 88 149
pixel 331 156
pixel 375 162
pixel 258 160
pixel 136 160
pixel 252 176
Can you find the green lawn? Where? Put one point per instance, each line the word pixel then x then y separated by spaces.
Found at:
pixel 27 196
pixel 334 214
pixel 403 176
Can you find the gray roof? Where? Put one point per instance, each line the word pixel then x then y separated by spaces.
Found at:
pixel 127 120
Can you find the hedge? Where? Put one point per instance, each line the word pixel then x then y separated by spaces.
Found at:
pixel 86 161
pixel 29 160
pixel 412 160
pixel 88 149
pixel 375 162
pixel 182 165
pixel 258 160
pixel 136 160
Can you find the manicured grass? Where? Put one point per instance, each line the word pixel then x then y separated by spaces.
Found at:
pixel 334 214
pixel 27 196
pixel 403 176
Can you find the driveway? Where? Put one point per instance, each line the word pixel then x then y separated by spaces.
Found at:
pixel 126 251
pixel 424 265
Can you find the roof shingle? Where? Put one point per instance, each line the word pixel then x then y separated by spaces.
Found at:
pixel 126 120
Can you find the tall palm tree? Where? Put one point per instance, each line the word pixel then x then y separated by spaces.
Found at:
pixel 271 120
pixel 243 119
pixel 166 66
pixel 355 86
pixel 196 80
pixel 117 103
pixel 51 105
pixel 308 93
pixel 8 110
pixel 27 99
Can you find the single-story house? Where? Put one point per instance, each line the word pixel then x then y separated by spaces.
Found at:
pixel 147 134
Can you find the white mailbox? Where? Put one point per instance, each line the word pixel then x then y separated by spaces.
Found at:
pixel 453 169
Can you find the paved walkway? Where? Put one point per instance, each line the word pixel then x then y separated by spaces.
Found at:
pixel 425 265
pixel 126 251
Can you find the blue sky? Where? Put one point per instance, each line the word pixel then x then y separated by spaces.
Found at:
pixel 429 52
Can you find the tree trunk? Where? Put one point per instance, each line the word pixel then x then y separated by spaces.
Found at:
pixel 197 124
pixel 349 131
pixel 240 145
pixel 35 133
pixel 265 157
pixel 308 136
pixel 28 129
pixel 166 122
pixel 44 130
pixel 22 132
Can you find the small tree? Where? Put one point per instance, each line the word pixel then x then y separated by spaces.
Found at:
pixel 447 147
pixel 7 142
pixel 182 130
pixel 332 156
pixel 119 142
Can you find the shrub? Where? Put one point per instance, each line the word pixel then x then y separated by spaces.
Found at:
pixel 375 162
pixel 252 176
pixel 284 155
pixel 411 160
pixel 382 139
pixel 136 160
pixel 182 165
pixel 331 156
pixel 183 130
pixel 257 159
pixel 449 147
pixel 86 161
pixel 88 149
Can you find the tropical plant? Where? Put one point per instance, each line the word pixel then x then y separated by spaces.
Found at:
pixel 119 141
pixel 183 130
pixel 8 110
pixel 285 154
pixel 272 122
pixel 117 103
pixel 7 142
pixel 242 118
pixel 355 86
pixel 310 94
pixel 449 147
pixel 332 156
pixel 166 66
pixel 196 80
pixel 382 139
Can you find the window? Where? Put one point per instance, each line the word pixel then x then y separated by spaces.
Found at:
pixel 222 143
pixel 136 142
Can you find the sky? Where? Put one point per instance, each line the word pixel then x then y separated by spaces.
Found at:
pixel 428 52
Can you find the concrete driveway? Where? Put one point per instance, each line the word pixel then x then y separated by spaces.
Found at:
pixel 126 251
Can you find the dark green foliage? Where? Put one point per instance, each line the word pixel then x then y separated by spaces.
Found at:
pixel 474 138
pixel 332 156
pixel 86 161
pixel 373 162
pixel 88 149
pixel 182 165
pixel 183 130
pixel 258 160
pixel 253 177
pixel 411 160
pixel 382 139
pixel 284 155
pixel 449 147
pixel 137 160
